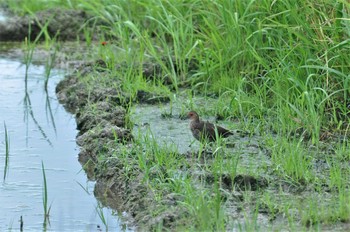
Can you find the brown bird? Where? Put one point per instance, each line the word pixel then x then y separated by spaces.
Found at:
pixel 205 131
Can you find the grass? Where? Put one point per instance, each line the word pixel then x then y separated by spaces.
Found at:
pixel 280 68
pixel 101 215
pixel 47 208
pixel 7 152
pixel 292 161
pixel 29 47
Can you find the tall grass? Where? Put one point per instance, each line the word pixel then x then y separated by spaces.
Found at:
pixel 269 58
pixel 21 7
pixel 284 59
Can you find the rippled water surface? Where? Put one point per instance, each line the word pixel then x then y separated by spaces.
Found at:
pixel 41 131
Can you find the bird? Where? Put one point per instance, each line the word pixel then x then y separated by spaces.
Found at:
pixel 205 131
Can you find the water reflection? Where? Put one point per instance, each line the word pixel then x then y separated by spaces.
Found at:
pixel 41 130
pixel 28 111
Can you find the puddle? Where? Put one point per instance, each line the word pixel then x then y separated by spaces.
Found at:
pixel 175 131
pixel 172 130
pixel 41 131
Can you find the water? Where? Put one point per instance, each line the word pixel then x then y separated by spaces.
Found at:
pixel 167 131
pixel 2 16
pixel 40 130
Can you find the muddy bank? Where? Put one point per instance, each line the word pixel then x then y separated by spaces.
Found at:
pixel 60 24
pixel 105 134
pixel 63 31
pixel 109 153
pixel 112 155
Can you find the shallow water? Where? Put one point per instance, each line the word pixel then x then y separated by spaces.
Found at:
pixel 40 130
pixel 167 131
pixel 2 16
pixel 175 131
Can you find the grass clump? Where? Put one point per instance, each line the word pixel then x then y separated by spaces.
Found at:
pixel 270 58
pixel 282 59
pixel 292 161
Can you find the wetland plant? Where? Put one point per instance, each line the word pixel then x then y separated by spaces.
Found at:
pixel 29 50
pixel 28 56
pixel 45 199
pixel 49 65
pixel 101 215
pixel 29 47
pixel 7 152
pixel 21 223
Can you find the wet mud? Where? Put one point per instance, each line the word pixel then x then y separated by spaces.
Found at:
pixel 100 116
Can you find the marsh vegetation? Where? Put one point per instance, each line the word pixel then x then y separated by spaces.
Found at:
pixel 277 70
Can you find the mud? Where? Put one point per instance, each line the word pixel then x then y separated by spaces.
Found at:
pixel 62 24
pixel 100 117
pixel 75 94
